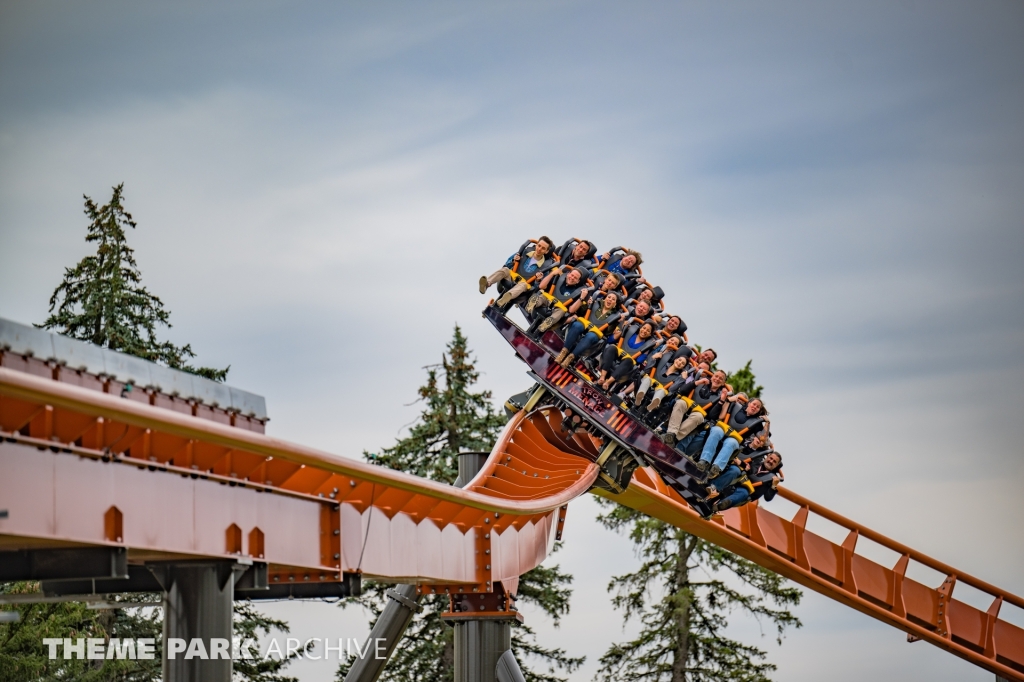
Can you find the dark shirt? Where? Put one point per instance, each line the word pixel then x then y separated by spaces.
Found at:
pixel 563 291
pixel 710 398
pixel 666 375
pixel 599 278
pixel 633 345
pixel 601 318
pixel 588 261
pixel 761 476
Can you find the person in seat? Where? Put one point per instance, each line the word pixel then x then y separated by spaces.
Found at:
pixel 560 293
pixel 667 379
pixel 653 296
pixel 635 340
pixel 588 331
pixel 740 420
pixel 607 281
pixel 696 399
pixel 746 479
pixel 673 325
pixel 668 348
pixel 527 265
pixel 578 253
pixel 708 355
pixel 623 262
pixel 639 310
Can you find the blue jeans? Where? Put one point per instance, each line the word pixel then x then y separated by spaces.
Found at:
pixel 688 444
pixel 729 475
pixel 736 498
pixel 730 446
pixel 575 344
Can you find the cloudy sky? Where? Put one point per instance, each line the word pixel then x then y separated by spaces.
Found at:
pixel 834 190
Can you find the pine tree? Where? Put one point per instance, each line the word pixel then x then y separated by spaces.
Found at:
pixel 250 625
pixel 744 381
pixel 455 419
pixel 23 656
pixel 102 300
pixel 683 594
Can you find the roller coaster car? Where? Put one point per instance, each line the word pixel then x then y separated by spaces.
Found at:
pixel 628 441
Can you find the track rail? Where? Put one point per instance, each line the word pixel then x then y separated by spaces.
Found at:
pixel 786 546
pixel 82 467
pixel 838 572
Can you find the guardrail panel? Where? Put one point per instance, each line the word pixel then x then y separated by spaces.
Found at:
pixel 873 581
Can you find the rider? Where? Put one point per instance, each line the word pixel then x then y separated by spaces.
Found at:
pixel 654 297
pixel 578 253
pixel 586 332
pixel 673 325
pixel 698 398
pixel 623 262
pixel 738 423
pixel 667 378
pixel 528 264
pixel 708 356
pixel 608 283
pixel 635 340
pixel 560 293
pixel 747 479
pixel 640 310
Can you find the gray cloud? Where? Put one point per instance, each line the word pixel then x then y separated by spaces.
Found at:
pixel 830 190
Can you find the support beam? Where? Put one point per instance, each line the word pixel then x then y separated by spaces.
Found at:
pixel 470 463
pixel 251 585
pixel 389 628
pixel 508 669
pixel 64 564
pixel 350 586
pixel 198 598
pixel 139 579
pixel 481 644
pixel 403 602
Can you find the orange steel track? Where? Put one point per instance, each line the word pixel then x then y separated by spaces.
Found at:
pixel 82 467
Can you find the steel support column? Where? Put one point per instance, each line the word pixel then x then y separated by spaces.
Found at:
pixel 389 628
pixel 481 644
pixel 198 601
pixel 404 602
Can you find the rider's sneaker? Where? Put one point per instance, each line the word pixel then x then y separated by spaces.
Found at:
pixel 561 355
pixel 702 465
pixel 668 439
pixel 715 471
pixel 483 284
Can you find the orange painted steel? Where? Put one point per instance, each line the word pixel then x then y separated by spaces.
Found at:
pixel 334 501
pixel 533 472
pixel 836 571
